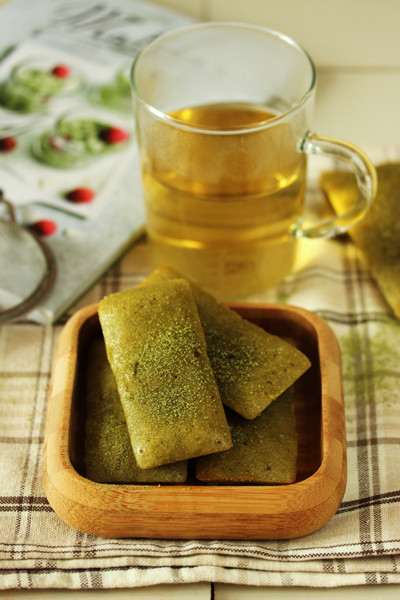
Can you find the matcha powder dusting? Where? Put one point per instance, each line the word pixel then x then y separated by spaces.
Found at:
pixel 157 351
pixel 172 352
pixel 370 363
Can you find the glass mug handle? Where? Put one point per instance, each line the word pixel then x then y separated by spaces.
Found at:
pixel 366 180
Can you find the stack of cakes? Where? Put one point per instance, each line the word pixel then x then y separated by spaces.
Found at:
pixel 180 379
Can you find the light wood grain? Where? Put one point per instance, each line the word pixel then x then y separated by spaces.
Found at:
pixel 193 510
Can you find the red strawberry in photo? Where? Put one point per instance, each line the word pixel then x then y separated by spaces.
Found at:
pixel 44 227
pixel 81 195
pixel 7 144
pixel 114 135
pixel 61 71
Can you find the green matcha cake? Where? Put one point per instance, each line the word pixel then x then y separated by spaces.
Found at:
pixel 264 449
pixel 108 451
pixel 157 351
pixel 251 366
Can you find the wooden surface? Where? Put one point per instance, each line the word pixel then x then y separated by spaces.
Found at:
pixel 192 510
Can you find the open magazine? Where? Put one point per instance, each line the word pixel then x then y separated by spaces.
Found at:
pixel 68 156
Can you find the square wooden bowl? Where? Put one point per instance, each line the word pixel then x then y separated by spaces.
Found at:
pixel 193 510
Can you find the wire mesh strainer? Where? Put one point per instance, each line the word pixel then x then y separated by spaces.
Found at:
pixel 27 266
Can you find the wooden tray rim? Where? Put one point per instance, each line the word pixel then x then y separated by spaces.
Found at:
pixel 324 488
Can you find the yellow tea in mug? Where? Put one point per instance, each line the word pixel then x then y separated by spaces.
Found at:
pixel 224 127
pixel 223 183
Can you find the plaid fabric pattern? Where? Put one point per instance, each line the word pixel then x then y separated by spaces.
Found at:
pixel 361 543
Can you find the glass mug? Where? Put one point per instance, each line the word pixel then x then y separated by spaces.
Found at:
pixel 223 115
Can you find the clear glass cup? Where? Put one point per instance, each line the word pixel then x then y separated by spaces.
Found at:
pixel 223 117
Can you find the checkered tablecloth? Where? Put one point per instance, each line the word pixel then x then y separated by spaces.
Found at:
pixel 361 543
